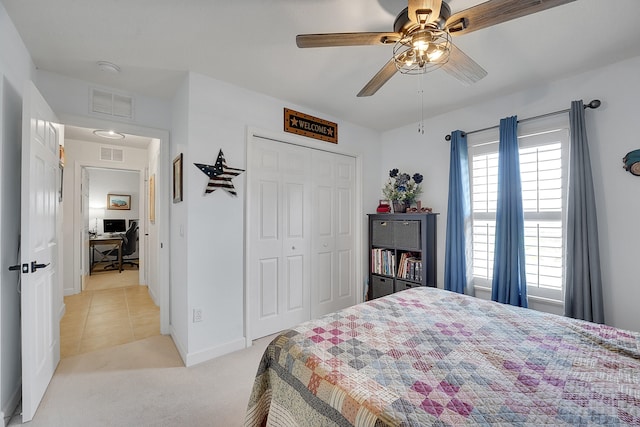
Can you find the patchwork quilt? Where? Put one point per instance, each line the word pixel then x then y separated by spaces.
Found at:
pixel 428 357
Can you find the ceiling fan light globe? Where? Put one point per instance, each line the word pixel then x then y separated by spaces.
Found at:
pixel 435 54
pixel 420 45
pixel 421 39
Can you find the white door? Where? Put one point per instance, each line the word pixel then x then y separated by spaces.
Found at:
pixel 301 231
pixel 279 265
pixel 40 296
pixel 333 263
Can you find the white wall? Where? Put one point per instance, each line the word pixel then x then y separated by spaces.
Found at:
pixel 16 68
pixel 611 136
pixel 179 250
pixel 219 115
pixel 109 181
pixel 70 97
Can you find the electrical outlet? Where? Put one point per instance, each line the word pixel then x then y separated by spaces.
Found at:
pixel 197 315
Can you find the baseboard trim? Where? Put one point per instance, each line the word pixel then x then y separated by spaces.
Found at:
pixel 213 352
pixel 153 295
pixel 62 311
pixel 178 344
pixel 12 404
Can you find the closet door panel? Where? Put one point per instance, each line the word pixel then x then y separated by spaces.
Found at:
pixel 333 279
pixel 278 270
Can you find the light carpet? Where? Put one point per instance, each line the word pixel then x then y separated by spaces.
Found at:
pixel 144 383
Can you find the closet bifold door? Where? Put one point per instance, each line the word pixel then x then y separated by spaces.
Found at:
pixel 333 274
pixel 278 274
pixel 301 234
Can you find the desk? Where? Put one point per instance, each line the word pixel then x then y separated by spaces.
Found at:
pixel 104 240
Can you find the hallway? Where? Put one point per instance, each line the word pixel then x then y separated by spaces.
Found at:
pixel 113 310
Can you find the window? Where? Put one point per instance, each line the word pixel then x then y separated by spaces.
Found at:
pixel 543 160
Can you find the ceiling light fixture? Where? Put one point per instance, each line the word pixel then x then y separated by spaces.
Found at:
pixel 422 51
pixel 109 134
pixel 108 67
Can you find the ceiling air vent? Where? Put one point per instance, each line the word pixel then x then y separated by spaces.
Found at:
pixel 112 104
pixel 111 154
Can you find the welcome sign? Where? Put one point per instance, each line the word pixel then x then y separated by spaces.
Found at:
pixel 312 127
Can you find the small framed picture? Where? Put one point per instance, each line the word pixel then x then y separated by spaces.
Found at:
pixel 177 179
pixel 119 202
pixel 152 198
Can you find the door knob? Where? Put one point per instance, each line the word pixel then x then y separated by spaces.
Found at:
pixel 35 266
pixel 24 267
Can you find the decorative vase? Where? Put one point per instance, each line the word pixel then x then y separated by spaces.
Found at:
pixel 399 207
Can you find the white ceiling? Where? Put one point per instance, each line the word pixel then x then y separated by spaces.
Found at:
pixel 251 43
pixel 87 135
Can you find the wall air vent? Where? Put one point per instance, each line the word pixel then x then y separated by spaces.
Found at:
pixel 112 104
pixel 111 154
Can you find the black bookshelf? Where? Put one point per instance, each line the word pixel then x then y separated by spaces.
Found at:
pixel 402 252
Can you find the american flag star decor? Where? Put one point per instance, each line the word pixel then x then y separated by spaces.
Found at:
pixel 220 175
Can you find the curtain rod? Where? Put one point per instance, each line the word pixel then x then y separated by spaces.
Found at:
pixel 593 104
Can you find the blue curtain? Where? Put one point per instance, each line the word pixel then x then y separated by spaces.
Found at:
pixel 583 287
pixel 458 217
pixel 509 284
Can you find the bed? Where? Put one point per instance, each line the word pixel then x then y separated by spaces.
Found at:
pixel 428 357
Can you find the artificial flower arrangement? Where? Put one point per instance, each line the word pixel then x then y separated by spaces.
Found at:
pixel 402 187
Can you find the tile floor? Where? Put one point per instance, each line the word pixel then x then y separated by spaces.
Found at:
pixel 115 312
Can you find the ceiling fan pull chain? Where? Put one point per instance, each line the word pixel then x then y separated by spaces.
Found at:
pixel 421 100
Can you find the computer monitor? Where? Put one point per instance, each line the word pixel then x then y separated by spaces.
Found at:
pixel 114 225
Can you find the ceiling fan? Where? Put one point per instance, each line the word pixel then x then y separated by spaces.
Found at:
pixel 422 37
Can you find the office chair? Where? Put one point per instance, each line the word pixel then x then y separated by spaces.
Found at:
pixel 129 246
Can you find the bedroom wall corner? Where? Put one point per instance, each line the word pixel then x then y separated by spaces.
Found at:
pixel 178 247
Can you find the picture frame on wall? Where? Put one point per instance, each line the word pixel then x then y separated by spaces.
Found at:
pixel 61 168
pixel 119 202
pixel 177 179
pixel 152 199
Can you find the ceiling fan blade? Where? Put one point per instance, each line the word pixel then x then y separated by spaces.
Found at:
pixel 346 39
pixel 462 67
pixel 379 79
pixel 494 12
pixel 423 11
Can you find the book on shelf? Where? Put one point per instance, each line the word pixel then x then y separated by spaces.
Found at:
pixel 410 267
pixel 383 261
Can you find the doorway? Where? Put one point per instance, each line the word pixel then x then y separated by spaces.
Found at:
pixel 139 156
pixel 102 216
